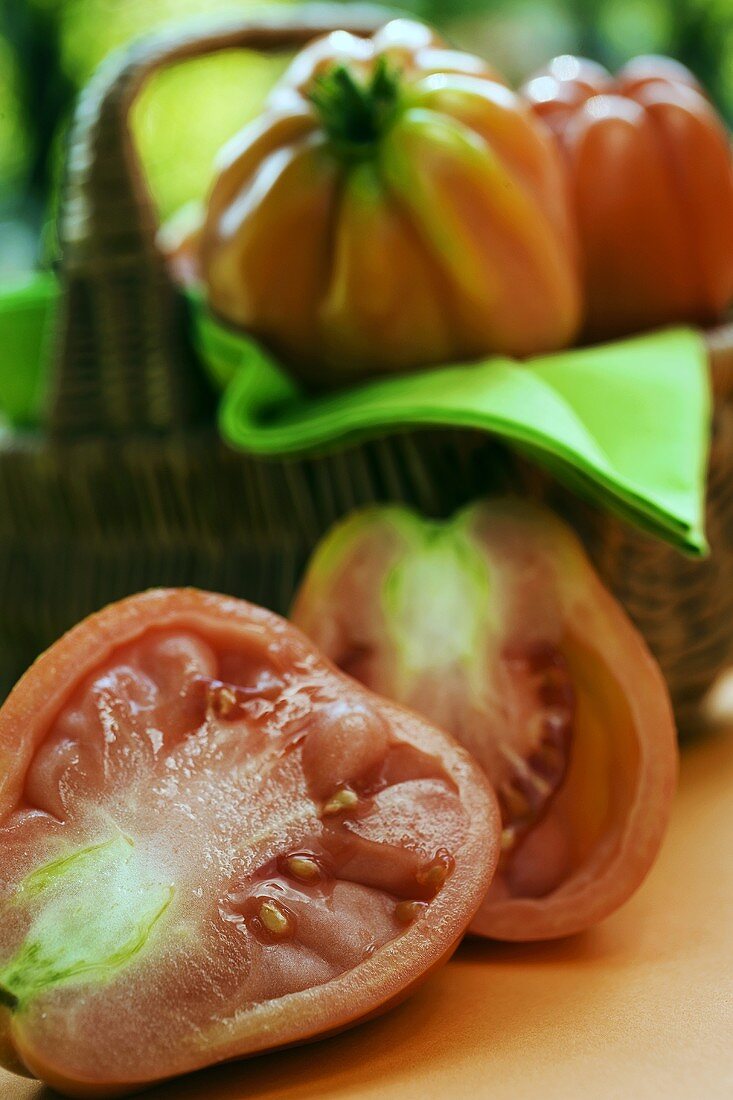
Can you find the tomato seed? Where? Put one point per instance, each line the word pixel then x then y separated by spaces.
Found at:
pixel 274 919
pixel 408 911
pixel 341 802
pixel 514 803
pixel 433 875
pixel 303 868
pixel 222 700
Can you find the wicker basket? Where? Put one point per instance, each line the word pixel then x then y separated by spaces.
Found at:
pixel 129 485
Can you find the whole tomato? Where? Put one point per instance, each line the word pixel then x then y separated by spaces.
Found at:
pixel 395 206
pixel 652 185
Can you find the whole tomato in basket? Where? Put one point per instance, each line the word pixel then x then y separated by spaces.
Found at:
pixel 495 626
pixel 396 206
pixel 212 843
pixel 652 188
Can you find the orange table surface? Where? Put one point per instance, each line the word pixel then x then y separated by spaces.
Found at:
pixel 641 1007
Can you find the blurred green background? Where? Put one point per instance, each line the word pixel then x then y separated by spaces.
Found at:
pixel 48 48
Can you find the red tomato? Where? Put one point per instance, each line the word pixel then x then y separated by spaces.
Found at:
pixel 651 177
pixel 213 843
pixel 496 627
pixel 395 206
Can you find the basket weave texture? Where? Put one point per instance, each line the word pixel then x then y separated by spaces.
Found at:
pixel 128 484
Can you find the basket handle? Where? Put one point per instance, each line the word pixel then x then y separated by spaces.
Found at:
pixel 121 360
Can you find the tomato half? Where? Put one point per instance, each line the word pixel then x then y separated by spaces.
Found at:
pixel 213 843
pixel 496 627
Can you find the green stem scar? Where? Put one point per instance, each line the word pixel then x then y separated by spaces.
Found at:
pixel 94 911
pixel 353 112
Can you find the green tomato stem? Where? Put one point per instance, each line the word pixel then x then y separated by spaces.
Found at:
pixel 353 112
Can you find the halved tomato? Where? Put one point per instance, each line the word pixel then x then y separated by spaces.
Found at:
pixel 496 627
pixel 212 843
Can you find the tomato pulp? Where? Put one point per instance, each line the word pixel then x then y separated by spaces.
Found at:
pixel 214 843
pixel 495 626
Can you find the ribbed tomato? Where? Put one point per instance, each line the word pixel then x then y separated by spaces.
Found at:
pixel 652 189
pixel 395 206
pixel 212 843
pixel 495 627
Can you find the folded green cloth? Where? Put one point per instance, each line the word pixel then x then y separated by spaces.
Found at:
pixel 625 424
pixel 26 314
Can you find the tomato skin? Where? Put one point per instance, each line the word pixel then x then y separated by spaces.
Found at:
pixel 651 180
pixel 447 236
pixel 434 614
pixel 33 1067
pixel 75 1064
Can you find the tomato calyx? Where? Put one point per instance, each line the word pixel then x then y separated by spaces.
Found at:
pixel 355 113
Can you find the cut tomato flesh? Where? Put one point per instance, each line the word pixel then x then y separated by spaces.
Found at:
pixel 203 824
pixel 495 627
pixel 527 762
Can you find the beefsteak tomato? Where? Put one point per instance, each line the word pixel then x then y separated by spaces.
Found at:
pixel 395 206
pixel 213 843
pixel 651 181
pixel 496 627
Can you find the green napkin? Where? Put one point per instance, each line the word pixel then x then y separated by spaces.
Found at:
pixel 26 315
pixel 625 424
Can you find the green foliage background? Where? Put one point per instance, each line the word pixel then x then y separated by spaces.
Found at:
pixel 48 48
